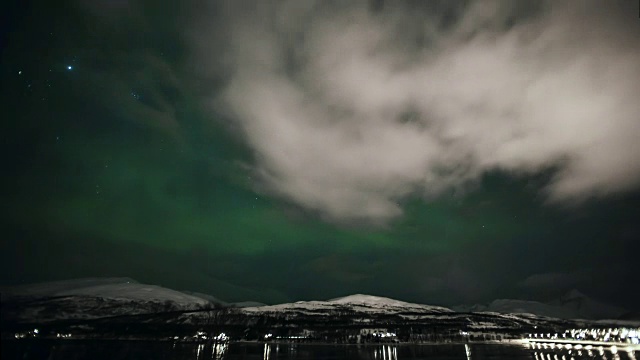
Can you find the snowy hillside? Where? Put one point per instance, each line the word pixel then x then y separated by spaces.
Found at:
pixel 132 291
pixel 94 298
pixel 363 314
pixel 106 288
pixel 116 306
pixel 356 303
pixel 383 302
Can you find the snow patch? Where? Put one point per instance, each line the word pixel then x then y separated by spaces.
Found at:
pixel 379 301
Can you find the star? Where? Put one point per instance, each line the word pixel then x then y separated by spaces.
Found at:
pixel 69 67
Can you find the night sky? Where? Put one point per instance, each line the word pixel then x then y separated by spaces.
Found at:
pixel 441 152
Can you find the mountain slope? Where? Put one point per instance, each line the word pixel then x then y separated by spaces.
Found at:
pixel 573 305
pixel 355 303
pixel 383 302
pixel 120 307
pixel 106 288
pixel 93 298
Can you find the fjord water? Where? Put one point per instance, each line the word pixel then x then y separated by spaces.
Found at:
pixel 114 350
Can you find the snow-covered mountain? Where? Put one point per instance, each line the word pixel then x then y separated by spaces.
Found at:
pixel 106 288
pixel 94 298
pixel 352 316
pixel 119 306
pixel 355 303
pixel 385 303
pixel 573 305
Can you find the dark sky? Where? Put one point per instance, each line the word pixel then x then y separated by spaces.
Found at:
pixel 442 152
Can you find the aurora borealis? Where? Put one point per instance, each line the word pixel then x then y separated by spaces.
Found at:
pixel 164 141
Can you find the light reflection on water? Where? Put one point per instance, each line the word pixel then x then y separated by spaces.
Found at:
pixel 211 351
pixel 271 351
pixel 573 352
pixel 580 354
pixel 72 350
pixel 386 352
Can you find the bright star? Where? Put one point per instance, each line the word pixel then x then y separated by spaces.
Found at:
pixel 69 67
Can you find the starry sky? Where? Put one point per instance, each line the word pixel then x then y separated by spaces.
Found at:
pixel 442 152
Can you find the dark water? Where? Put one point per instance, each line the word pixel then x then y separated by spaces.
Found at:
pixel 113 350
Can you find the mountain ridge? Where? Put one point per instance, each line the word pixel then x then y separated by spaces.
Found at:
pixel 120 308
pixel 572 305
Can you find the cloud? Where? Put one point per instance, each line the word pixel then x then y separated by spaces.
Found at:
pixel 350 110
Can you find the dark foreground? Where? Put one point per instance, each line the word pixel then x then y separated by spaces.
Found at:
pixel 113 350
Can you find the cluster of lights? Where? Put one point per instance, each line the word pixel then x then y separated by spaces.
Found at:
pixel 589 339
pixel 63 336
pixel 30 333
pixel 579 351
pixel 621 335
pixel 540 345
pixel 384 334
pixel 200 335
pixel 270 336
pixel 221 337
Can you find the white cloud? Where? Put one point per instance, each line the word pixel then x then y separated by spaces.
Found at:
pixel 349 111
